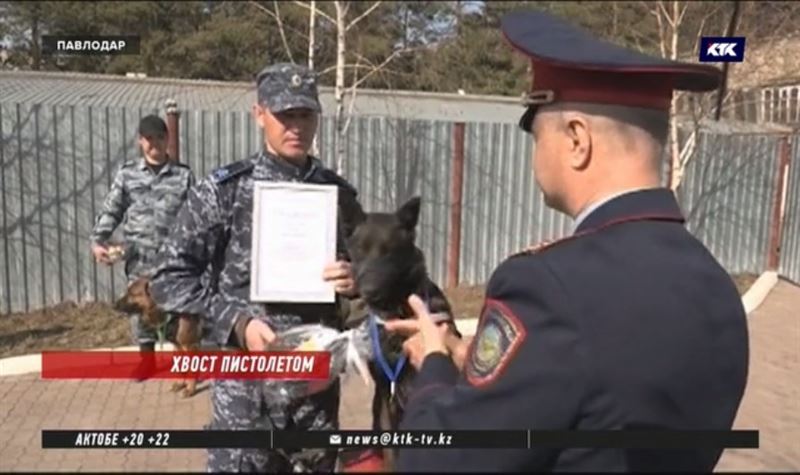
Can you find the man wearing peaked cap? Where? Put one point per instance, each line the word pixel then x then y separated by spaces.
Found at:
pixel 286 86
pixel 629 323
pixel 214 231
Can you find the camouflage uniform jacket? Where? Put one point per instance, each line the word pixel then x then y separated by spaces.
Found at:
pixel 214 228
pixel 147 201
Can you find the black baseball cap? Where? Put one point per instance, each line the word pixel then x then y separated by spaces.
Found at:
pixel 152 126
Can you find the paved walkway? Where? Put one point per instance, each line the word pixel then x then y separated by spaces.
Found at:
pixel 771 402
pixel 27 405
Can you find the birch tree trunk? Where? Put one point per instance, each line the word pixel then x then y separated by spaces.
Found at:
pixel 676 174
pixel 312 22
pixel 341 30
pixel 669 29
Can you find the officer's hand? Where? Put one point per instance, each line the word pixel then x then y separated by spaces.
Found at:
pixel 100 253
pixel 459 348
pixel 414 348
pixel 258 335
pixel 427 337
pixel 341 274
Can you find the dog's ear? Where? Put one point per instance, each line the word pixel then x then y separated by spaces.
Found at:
pixel 408 214
pixel 352 214
pixel 358 217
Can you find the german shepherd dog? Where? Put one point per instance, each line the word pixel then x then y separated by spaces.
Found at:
pixel 388 268
pixel 137 299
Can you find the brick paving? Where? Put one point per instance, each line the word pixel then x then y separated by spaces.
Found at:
pixel 28 404
pixel 771 402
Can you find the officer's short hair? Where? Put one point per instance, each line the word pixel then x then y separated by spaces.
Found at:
pixel 152 126
pixel 653 121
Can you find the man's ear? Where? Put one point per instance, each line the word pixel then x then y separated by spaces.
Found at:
pixel 408 214
pixel 258 114
pixel 578 130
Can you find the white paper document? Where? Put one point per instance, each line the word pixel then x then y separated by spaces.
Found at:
pixel 294 237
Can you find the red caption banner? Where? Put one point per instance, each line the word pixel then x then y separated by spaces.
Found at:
pixel 278 365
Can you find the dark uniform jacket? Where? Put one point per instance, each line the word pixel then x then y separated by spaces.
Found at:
pixel 146 203
pixel 629 324
pixel 212 237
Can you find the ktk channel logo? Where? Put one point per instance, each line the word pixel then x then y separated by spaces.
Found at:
pixel 722 49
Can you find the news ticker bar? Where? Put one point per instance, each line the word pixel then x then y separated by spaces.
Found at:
pixel 514 439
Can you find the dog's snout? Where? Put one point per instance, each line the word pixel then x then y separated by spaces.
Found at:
pixel 127 305
pixel 121 303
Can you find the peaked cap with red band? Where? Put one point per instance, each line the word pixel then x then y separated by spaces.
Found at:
pixel 570 65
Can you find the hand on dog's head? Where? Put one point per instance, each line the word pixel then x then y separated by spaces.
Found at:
pixel 387 265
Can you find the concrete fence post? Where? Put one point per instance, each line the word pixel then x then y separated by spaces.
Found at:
pixel 456 206
pixel 173 129
pixel 778 205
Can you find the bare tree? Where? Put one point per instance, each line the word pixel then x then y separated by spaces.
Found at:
pixel 342 92
pixel 276 15
pixel 671 16
pixel 312 23
pixel 341 48
pixel 312 45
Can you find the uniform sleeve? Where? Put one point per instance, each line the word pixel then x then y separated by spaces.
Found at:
pixel 523 371
pixel 196 241
pixel 112 211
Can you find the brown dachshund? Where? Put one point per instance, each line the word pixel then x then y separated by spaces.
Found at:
pixel 187 337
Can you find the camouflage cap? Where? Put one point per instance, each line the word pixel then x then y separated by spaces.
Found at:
pixel 286 86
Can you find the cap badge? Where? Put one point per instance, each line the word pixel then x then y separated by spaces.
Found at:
pixel 296 80
pixel 538 97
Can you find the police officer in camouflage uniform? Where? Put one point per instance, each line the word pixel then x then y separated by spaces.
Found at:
pixel 215 229
pixel 145 198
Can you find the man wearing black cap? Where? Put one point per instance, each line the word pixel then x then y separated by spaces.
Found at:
pixel 146 194
pixel 629 323
pixel 215 228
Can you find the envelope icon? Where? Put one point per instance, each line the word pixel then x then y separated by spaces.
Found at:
pixel 335 439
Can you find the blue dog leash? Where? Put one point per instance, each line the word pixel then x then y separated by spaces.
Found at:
pixel 391 375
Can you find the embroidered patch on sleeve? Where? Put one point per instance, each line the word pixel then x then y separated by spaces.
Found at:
pixel 499 335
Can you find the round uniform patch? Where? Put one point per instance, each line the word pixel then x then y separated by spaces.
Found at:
pixel 499 335
pixel 489 349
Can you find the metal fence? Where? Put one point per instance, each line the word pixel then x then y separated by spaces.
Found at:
pixel 790 243
pixel 503 212
pixel 728 197
pixel 57 163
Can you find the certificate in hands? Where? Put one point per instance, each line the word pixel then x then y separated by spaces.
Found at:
pixel 294 237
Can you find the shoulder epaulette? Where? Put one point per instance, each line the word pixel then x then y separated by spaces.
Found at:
pixel 549 244
pixel 540 247
pixel 223 174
